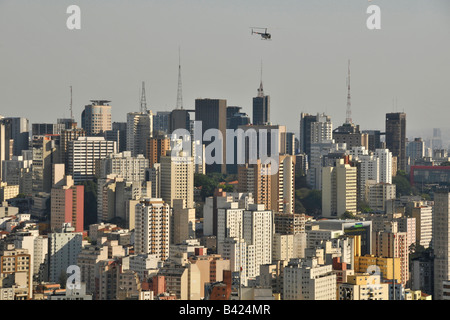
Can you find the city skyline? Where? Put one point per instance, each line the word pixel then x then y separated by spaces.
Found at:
pixel 401 67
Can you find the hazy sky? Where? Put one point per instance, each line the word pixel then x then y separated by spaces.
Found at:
pixel 122 43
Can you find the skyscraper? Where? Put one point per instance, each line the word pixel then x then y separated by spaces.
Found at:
pixel 339 190
pixel 152 228
pixel 441 241
pixel 314 129
pixel 396 137
pixel 213 115
pixel 139 130
pixel 67 205
pixel 261 107
pixel 96 117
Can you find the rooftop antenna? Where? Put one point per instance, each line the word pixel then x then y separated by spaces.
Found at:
pixel 143 99
pixel 348 118
pixel 71 113
pixel 260 89
pixel 179 92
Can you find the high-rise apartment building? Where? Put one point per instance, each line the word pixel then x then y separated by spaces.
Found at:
pixel 6 142
pixel 396 137
pixel 152 228
pixel 96 117
pixel 156 148
pixel 46 152
pixel 66 136
pixel 255 179
pixel 305 279
pixel 424 224
pixel 67 205
pixel 16 272
pixel 124 165
pixel 339 190
pixel 139 130
pixel 83 154
pixel 177 177
pixel 63 250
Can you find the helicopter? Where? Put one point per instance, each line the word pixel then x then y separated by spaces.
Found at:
pixel 264 35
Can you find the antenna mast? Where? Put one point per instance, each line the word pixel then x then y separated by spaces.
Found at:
pixel 179 92
pixel 71 113
pixel 348 118
pixel 143 99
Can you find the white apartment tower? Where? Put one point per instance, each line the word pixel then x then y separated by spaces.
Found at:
pixel 177 177
pixel 339 192
pixel 83 154
pixel 152 227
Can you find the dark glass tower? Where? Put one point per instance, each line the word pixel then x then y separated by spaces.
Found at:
pixel 396 137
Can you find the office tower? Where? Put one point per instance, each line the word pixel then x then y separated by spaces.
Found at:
pixel 6 142
pixel 177 178
pixel 20 134
pixel 179 119
pixel 339 190
pixel 374 139
pixel 18 171
pixel 118 133
pixel 441 241
pixel 67 123
pixel 40 129
pixel 183 222
pixel 290 143
pixel 351 135
pixel 415 150
pixel 139 130
pixel 236 118
pixel 66 136
pixel 152 228
pixel 123 165
pixel 63 250
pixel 67 205
pixel 46 152
pixel 309 133
pixel 153 174
pixel 305 279
pixel 16 272
pixel 396 137
pixel 424 224
pixel 261 107
pixel 436 141
pixel 83 154
pixel 161 122
pixel 156 148
pixel 319 152
pixel 255 179
pixel 96 117
pixel 213 115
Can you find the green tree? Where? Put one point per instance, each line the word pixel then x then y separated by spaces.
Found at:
pixel 347 215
